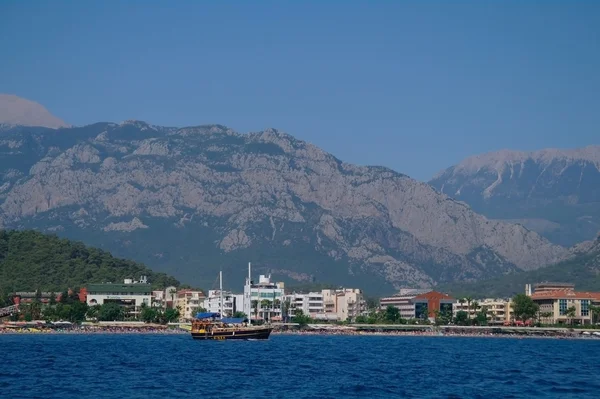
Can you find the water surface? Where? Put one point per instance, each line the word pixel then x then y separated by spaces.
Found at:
pixel 175 366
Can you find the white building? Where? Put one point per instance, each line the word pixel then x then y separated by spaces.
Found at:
pixel 212 303
pixel 131 294
pixel 263 300
pixel 311 304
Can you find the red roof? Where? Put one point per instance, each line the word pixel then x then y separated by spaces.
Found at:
pixel 565 294
pixel 434 295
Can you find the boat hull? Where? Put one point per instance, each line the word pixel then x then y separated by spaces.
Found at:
pixel 262 333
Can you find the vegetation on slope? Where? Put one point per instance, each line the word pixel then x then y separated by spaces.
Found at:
pixel 582 270
pixel 31 261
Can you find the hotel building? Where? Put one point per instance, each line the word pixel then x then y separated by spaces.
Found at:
pixel 555 304
pixel 131 294
pixel 402 301
pixel 427 304
pixel 263 299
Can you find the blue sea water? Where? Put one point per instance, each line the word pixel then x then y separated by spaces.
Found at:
pixel 175 366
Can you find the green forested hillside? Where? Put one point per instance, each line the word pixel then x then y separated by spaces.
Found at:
pixel 30 260
pixel 582 270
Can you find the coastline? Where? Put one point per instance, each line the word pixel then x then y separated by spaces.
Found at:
pixel 163 330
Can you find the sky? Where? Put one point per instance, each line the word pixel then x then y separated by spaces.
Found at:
pixel 416 86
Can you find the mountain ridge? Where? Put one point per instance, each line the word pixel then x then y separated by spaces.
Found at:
pixel 554 192
pixel 226 198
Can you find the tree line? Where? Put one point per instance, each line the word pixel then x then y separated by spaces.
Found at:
pixel 30 260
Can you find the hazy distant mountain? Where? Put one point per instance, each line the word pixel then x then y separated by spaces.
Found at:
pixel 192 200
pixel 582 269
pixel 19 111
pixel 554 192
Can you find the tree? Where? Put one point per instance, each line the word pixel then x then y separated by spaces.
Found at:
pixel 571 312
pixel 265 304
pixel 285 310
pixel 392 314
pixel 480 319
pixel 240 315
pixel 92 312
pixel 148 314
pixel 255 307
pixel 52 300
pixel 78 311
pixel 301 318
pixel 524 308
pixel 461 318
pixel 443 317
pixel 111 312
pixel 468 300
pixel 35 309
pixel 171 315
pixel 474 307
pixel 594 313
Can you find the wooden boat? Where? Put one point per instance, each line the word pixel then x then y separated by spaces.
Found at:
pixel 210 326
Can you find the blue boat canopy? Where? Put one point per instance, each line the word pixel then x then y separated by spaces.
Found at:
pixel 207 315
pixel 233 320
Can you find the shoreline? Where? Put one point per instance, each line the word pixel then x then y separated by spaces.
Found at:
pixel 179 331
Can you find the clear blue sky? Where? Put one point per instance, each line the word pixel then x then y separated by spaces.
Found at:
pixel 415 86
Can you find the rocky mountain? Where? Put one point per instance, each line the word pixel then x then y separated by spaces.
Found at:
pixel 582 269
pixel 191 200
pixel 19 111
pixel 553 192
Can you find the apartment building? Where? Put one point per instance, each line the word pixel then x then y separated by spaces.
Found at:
pixel 498 310
pixel 311 304
pixel 213 304
pixel 342 304
pixel 188 302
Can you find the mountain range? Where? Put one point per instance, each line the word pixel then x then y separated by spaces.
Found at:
pixel 582 269
pixel 190 201
pixel 194 200
pixel 553 192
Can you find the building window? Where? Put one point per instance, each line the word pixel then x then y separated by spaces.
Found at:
pixel 585 307
pixel 421 310
pixel 562 306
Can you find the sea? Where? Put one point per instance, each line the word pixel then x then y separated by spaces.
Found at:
pixel 309 367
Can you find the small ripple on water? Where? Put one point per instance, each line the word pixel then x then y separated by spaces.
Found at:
pixel 296 367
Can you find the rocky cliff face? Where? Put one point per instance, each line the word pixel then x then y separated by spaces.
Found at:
pixel 196 199
pixel 553 192
pixel 19 111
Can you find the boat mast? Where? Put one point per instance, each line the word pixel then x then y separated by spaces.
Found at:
pixel 221 293
pixel 250 292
